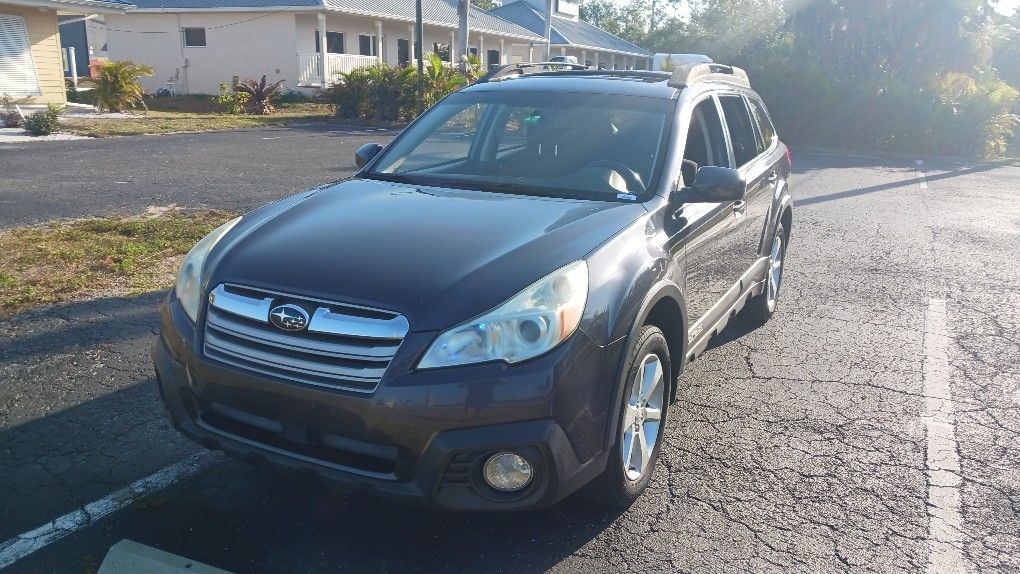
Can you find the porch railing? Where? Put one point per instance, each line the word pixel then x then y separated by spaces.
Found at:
pixel 335 63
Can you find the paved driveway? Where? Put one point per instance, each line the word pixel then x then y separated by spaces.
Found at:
pixel 234 170
pixel 872 425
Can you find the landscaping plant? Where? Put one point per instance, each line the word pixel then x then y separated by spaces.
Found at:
pixel 260 95
pixel 117 87
pixel 9 115
pixel 44 122
pixel 231 101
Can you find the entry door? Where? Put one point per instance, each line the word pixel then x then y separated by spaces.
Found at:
pixel 493 57
pixel 403 52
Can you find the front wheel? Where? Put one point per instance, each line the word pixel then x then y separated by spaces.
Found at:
pixel 642 420
pixel 761 308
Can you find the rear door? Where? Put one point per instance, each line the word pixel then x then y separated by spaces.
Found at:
pixel 750 158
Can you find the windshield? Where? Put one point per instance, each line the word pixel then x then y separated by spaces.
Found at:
pixel 592 146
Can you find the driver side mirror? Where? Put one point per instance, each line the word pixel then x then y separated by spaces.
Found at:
pixel 714 185
pixel 365 153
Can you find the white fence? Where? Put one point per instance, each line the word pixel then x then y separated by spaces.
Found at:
pixel 335 63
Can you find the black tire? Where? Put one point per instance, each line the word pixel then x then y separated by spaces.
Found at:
pixel 613 487
pixel 761 308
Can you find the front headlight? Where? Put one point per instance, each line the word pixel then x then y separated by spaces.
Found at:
pixel 189 277
pixel 534 321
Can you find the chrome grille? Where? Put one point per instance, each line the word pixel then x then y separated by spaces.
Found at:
pixel 343 347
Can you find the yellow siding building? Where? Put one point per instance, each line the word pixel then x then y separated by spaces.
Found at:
pixel 31 62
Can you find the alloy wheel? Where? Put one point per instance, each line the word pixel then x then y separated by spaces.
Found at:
pixel 642 417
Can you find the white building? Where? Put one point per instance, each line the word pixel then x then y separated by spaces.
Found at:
pixel 194 45
pixel 571 36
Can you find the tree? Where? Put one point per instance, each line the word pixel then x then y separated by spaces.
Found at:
pixel 486 4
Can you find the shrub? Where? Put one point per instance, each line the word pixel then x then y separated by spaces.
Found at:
pixel 290 97
pixel 117 86
pixel 229 100
pixel 9 115
pixel 392 94
pixel 260 95
pixel 44 122
pixel 376 92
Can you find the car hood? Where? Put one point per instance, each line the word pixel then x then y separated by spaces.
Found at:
pixel 437 256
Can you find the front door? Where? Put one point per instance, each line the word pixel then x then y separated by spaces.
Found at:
pixel 493 58
pixel 711 231
pixel 403 52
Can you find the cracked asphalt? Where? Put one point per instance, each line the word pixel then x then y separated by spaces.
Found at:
pixel 798 446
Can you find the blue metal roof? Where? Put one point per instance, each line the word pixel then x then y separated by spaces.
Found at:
pixel 565 32
pixel 434 12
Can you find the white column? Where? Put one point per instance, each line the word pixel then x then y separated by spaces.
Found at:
pixel 612 61
pixel 378 41
pixel 502 51
pixel 453 45
pixel 563 50
pixel 584 56
pixel 72 63
pixel 595 62
pixel 531 51
pixel 410 47
pixel 322 49
pixel 481 53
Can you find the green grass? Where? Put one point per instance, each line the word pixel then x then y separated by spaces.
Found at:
pixel 99 257
pixel 159 122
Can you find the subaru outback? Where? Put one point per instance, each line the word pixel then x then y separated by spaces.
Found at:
pixel 497 308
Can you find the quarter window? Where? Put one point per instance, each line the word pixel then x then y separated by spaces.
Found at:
pixel 738 120
pixel 194 37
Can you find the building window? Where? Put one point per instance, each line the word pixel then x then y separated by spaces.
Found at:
pixel 17 70
pixel 194 37
pixel 442 50
pixel 367 45
pixel 334 42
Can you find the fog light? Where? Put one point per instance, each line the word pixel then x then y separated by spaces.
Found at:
pixel 507 472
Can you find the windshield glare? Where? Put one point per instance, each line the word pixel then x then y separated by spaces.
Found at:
pixel 593 146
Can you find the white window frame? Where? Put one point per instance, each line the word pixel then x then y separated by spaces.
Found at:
pixel 23 61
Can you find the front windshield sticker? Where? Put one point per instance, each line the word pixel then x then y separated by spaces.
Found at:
pixel 626 196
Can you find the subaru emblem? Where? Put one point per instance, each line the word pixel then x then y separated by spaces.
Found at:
pixel 288 317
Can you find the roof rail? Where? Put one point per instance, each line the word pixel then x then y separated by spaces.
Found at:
pixel 516 70
pixel 688 74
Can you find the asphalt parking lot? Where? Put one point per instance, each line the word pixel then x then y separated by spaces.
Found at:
pixel 873 425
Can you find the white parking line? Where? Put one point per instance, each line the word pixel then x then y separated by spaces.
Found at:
pixel 24 544
pixel 945 522
pixel 920 170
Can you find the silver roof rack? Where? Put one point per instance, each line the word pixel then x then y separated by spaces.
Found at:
pixel 508 71
pixel 688 74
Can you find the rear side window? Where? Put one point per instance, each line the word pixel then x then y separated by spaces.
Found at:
pixel 766 129
pixel 738 120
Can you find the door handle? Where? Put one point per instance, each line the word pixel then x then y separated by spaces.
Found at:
pixel 773 177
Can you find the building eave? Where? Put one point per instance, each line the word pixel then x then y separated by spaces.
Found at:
pixel 75 7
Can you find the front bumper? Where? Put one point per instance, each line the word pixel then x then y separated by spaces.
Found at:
pixel 420 437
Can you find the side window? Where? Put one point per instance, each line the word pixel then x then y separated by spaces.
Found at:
pixel 767 130
pixel 738 120
pixel 450 143
pixel 706 144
